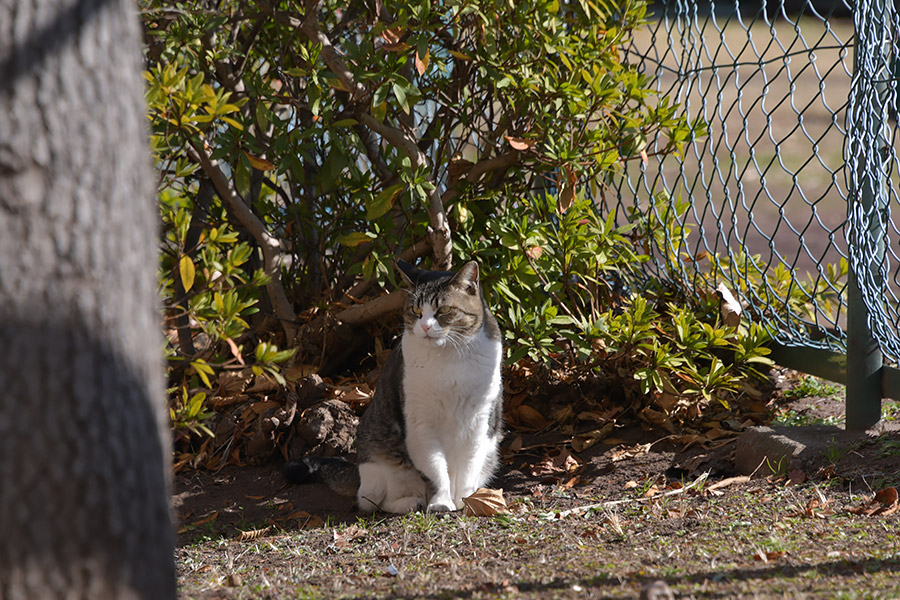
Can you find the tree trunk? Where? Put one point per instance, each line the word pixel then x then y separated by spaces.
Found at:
pixel 84 454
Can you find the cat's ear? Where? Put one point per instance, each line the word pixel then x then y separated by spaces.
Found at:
pixel 409 273
pixel 467 277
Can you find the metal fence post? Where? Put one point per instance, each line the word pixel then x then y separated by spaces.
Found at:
pixel 864 358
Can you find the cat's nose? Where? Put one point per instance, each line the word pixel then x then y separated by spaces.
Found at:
pixel 425 327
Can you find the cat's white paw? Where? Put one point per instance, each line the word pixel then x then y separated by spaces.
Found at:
pixel 441 504
pixel 404 505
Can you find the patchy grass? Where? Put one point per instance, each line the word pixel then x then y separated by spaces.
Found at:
pixel 812 387
pixel 624 525
pixel 757 538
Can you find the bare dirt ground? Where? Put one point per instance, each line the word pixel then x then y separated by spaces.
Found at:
pixel 600 524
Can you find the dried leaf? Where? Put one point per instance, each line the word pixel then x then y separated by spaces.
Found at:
pixel 306 520
pixel 583 441
pixel 392 36
pixel 422 62
pixel 766 556
pixel 343 538
pixel 235 351
pixel 253 534
pixel 556 463
pixel 260 164
pixel 208 519
pixel 485 503
pixel 521 144
pixel 887 496
pixel 729 307
pixel 566 184
pixel 797 476
pixel 528 418
pixel 234 382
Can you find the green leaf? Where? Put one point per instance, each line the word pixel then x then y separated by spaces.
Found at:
pixel 187 270
pixel 400 94
pixel 203 371
pixel 355 239
pixel 383 202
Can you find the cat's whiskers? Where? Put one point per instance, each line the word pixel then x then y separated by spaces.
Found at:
pixel 459 340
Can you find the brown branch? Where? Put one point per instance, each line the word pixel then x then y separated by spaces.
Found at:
pixel 269 244
pixel 374 309
pixel 439 230
pixel 418 249
pixel 504 161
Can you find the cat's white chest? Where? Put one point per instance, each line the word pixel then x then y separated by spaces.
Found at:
pixel 442 385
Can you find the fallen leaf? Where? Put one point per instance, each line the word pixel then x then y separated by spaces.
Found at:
pixel 556 463
pixel 485 503
pixel 766 556
pixel 529 418
pixel 208 519
pixel 343 538
pixel 886 496
pixel 583 441
pixel 234 382
pixel 253 534
pixel 796 476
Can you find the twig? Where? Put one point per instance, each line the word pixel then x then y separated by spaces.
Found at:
pixel 697 482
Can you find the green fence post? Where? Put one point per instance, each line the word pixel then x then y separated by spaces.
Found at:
pixel 864 358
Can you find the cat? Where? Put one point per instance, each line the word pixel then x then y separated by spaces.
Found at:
pixel 431 434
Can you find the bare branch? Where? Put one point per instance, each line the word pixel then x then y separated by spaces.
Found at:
pixel 270 245
pixel 374 309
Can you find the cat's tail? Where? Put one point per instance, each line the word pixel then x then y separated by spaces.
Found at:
pixel 339 474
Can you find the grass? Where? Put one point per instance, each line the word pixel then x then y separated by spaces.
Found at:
pixel 747 541
pixel 812 387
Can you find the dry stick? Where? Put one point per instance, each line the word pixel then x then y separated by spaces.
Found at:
pixel 611 503
pixel 374 309
pixel 269 244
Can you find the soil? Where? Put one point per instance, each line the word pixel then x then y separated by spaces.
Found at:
pixel 605 523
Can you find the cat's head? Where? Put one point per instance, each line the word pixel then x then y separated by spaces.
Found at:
pixel 445 308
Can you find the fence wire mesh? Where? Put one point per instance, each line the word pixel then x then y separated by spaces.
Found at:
pixel 789 194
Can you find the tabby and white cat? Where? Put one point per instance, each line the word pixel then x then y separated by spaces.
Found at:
pixel 430 436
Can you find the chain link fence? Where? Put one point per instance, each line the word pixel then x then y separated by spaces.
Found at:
pixel 787 199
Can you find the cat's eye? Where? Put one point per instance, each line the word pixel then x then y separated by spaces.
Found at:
pixel 443 310
pixel 417 310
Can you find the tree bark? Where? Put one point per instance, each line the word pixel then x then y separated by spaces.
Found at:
pixel 84 450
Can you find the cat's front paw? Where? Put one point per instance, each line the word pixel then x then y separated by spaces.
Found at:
pixel 441 504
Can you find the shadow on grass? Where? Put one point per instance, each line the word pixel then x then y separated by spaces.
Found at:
pixel 714 578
